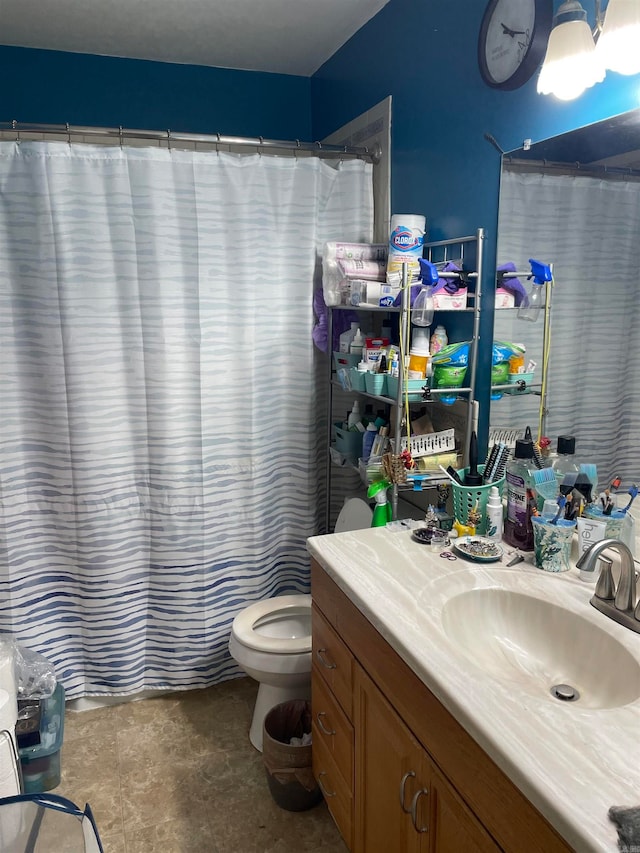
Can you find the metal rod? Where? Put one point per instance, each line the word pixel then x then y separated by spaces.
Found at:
pixel 329 430
pixel 170 136
pixel 473 350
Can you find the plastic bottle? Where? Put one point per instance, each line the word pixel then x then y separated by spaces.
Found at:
pixel 354 416
pixel 494 514
pixel 439 339
pixel 419 353
pixel 347 337
pixel 357 344
pixel 518 530
pixel 565 461
pixel 368 438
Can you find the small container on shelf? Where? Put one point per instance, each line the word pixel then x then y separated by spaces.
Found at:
pixel 376 383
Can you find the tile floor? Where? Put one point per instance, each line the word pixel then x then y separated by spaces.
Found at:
pixel 177 774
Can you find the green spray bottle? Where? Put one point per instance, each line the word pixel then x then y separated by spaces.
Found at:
pixel 382 512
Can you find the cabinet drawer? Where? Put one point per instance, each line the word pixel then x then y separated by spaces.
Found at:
pixel 333 660
pixel 337 795
pixel 331 726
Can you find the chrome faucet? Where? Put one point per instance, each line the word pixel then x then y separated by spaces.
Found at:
pixel 617 603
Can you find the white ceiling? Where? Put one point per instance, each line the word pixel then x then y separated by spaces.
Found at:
pixel 282 36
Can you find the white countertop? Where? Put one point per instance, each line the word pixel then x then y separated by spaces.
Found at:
pixel 571 761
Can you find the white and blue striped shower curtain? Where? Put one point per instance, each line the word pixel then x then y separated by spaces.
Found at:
pixel 588 228
pixel 161 426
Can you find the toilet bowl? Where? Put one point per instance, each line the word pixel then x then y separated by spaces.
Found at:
pixel 271 639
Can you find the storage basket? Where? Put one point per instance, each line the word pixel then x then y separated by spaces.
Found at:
pixel 413 386
pixel 466 498
pixel 376 383
pixel 348 442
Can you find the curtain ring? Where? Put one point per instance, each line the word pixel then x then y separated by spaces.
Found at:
pixel 261 138
pixel 14 125
pixel 68 133
pixel 218 144
pixel 168 140
pixel 120 135
pixel 295 150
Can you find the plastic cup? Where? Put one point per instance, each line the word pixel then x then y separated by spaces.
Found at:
pixel 614 522
pixel 552 544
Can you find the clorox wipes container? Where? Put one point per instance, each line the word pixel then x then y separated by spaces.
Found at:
pixel 405 246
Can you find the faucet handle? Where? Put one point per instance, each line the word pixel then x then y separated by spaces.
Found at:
pixel 605 588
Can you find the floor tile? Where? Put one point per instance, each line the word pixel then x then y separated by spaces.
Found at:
pixel 176 773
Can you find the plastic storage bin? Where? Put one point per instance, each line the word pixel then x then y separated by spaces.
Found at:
pixel 466 498
pixel 41 763
pixel 413 386
pixel 348 442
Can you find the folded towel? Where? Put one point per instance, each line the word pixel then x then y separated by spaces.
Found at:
pixel 627 821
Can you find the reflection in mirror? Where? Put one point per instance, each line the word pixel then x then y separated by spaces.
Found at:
pixel 574 202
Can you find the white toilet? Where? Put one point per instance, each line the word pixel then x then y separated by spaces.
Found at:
pixel 271 639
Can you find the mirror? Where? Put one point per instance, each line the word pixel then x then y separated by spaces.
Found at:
pixel 574 201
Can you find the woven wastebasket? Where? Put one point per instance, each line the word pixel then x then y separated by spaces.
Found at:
pixel 288 766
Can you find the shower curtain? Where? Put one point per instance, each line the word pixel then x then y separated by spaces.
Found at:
pixel 588 228
pixel 161 426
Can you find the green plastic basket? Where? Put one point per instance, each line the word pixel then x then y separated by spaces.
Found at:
pixel 466 498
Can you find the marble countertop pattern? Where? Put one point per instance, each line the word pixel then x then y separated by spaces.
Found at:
pixel 572 762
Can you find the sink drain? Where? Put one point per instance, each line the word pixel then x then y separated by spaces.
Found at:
pixel 565 692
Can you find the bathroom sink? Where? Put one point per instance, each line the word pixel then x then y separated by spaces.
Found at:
pixel 541 648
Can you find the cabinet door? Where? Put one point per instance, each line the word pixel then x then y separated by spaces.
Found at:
pixel 389 777
pixel 453 827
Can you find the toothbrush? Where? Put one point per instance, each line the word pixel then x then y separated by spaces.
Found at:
pixel 561 504
pixel 633 492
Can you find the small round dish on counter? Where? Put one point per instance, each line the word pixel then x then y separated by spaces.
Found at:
pixel 479 549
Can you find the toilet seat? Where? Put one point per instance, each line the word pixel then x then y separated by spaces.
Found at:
pixel 247 632
pixel 355 514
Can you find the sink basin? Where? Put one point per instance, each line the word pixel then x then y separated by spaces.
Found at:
pixel 535 645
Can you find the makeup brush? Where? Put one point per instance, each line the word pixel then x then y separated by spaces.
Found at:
pixel 472 477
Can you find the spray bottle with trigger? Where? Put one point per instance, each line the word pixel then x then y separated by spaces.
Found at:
pixel 422 308
pixel 540 273
pixel 382 512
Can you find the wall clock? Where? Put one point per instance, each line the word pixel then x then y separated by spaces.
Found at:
pixel 513 40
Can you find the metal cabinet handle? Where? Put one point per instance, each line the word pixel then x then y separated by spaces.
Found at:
pixel 408 775
pixel 414 810
pixel 324 662
pixel 321 725
pixel 322 788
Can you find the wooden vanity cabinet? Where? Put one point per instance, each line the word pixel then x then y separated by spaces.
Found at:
pixel 383 743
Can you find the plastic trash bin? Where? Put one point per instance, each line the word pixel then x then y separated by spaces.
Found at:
pixel 41 762
pixel 287 765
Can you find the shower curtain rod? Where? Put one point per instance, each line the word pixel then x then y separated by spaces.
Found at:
pixel 577 168
pixel 168 136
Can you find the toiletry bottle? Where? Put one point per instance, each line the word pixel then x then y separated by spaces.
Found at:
pixel 357 344
pixel 565 462
pixel 419 353
pixel 347 337
pixel 439 339
pixel 494 514
pixel 380 441
pixel 354 416
pixel 518 530
pixel 368 438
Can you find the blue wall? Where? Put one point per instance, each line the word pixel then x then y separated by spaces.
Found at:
pixel 425 56
pixel 51 87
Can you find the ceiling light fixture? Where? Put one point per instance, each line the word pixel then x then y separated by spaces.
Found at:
pixel 617 45
pixel 571 64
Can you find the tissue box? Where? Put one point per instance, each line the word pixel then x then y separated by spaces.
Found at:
pixel 504 299
pixel 443 301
